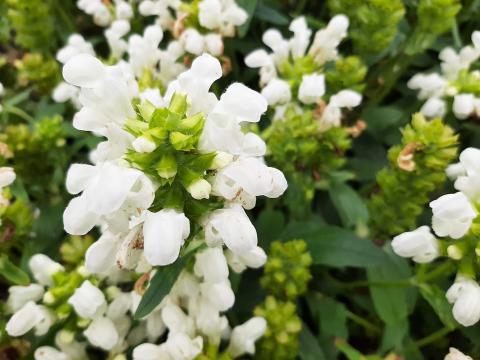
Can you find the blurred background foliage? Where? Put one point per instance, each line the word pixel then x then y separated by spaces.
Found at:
pixel 345 295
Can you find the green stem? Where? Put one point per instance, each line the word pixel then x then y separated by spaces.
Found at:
pixel 19 112
pixel 434 336
pixel 363 322
pixel 439 271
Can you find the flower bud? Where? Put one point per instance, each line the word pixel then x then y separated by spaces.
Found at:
pixel 221 160
pixel 418 244
pixel 7 176
pixel 88 301
pixel 102 333
pixel 465 295
pixel 454 354
pixel 167 166
pixel 200 189
pixel 143 145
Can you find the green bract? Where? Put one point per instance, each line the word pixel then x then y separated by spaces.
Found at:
pixel 416 168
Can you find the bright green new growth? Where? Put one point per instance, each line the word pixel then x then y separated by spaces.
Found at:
pixel 33 152
pixel 348 73
pixel 417 167
pixel 308 157
pixel 32 22
pixel 434 17
pixel 280 340
pixel 175 163
pixel 41 71
pixel 16 219
pixel 373 23
pixel 73 249
pixel 286 273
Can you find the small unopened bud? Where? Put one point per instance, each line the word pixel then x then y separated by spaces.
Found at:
pixel 221 160
pixel 405 159
pixel 167 166
pixel 200 189
pixel 48 298
pixel 454 252
pixel 143 145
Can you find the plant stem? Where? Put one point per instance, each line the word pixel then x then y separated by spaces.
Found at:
pixel 363 322
pixel 434 336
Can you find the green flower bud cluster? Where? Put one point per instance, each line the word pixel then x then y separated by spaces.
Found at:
pixel 33 152
pixel 167 141
pixel 280 340
pixel 308 157
pixel 373 23
pixel 286 273
pixel 348 73
pixel 39 70
pixel 73 248
pixel 417 167
pixel 467 82
pixel 32 22
pixel 434 17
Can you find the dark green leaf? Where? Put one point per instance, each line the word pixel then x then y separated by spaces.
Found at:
pixel 160 286
pixel 437 300
pixel 390 295
pixel 270 15
pixel 336 247
pixel 269 225
pixel 309 347
pixel 249 6
pixel 350 206
pixel 13 273
pixel 330 314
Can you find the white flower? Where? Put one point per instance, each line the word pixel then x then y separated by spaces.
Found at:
pixel 101 255
pixel 431 85
pixel 148 351
pixel 42 268
pixel 49 353
pixel 246 178
pixel 200 189
pixel 242 340
pixel 312 88
pixel 7 176
pixel 277 92
pixel 64 92
pixel 105 188
pixel 332 115
pixel 102 333
pixel 301 37
pixel 219 294
pixel 123 10
pixel 418 244
pixel 114 34
pixel 211 265
pixel 463 105
pixel 254 258
pixel 88 301
pixel 434 108
pixel 18 296
pixel 455 354
pixel 164 233
pixel 223 15
pixel 209 321
pixel 176 320
pixel 452 215
pixel 182 347
pixel 143 51
pixel 28 317
pixel 76 44
pixel 326 41
pixel 465 295
pixel 232 227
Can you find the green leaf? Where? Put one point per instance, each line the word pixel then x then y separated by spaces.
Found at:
pixel 270 15
pixel 309 347
pixel 391 298
pixel 249 6
pixel 350 206
pixel 437 300
pixel 330 314
pixel 13 273
pixel 269 225
pixel 160 286
pixel 334 246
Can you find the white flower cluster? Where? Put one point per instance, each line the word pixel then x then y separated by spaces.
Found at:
pixel 220 17
pixel 118 197
pixel 276 85
pixel 454 81
pixel 453 216
pixel 190 313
